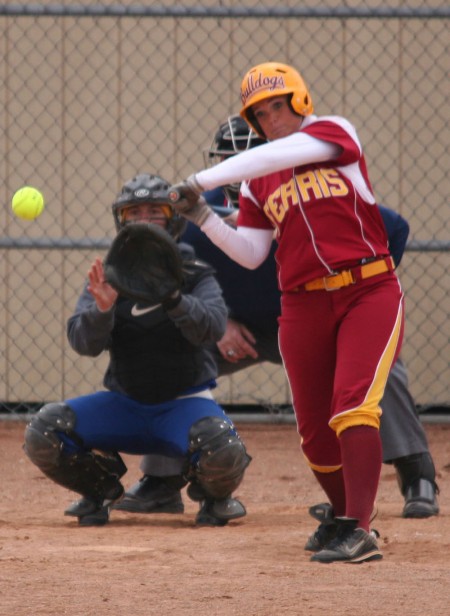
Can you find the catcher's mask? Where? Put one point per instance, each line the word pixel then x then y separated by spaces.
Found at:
pixel 152 189
pixel 273 79
pixel 232 137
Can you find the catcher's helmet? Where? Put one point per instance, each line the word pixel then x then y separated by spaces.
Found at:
pixel 232 137
pixel 147 188
pixel 273 79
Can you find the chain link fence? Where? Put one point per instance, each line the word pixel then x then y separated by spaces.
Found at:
pixel 94 93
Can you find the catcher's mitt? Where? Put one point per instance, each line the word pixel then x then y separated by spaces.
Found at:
pixel 144 264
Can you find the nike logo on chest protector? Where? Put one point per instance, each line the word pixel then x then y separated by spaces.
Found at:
pixel 138 312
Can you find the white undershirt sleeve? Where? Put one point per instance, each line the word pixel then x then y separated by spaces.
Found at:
pixel 248 247
pixel 292 151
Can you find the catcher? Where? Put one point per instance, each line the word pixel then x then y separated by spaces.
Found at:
pixel 154 308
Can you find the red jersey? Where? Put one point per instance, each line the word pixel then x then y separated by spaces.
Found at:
pixel 324 214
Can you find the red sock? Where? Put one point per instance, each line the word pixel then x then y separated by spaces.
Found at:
pixel 333 486
pixel 361 464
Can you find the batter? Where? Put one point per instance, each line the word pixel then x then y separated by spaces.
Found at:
pixel 341 322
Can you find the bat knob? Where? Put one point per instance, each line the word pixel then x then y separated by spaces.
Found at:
pixel 174 195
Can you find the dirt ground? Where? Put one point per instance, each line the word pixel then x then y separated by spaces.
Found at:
pixel 162 565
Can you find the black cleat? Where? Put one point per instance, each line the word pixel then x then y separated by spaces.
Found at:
pixel 326 531
pixel 416 476
pixel 420 500
pixel 91 512
pixel 351 545
pixel 219 512
pixel 97 518
pixel 84 506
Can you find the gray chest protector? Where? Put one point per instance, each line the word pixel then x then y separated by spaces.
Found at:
pixel 149 356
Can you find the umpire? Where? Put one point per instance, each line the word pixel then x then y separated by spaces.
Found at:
pixel 158 383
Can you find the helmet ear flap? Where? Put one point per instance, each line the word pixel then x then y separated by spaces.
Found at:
pixel 301 104
pixel 249 117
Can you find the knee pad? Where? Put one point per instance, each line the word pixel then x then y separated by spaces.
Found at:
pixel 218 458
pixel 94 475
pixel 42 443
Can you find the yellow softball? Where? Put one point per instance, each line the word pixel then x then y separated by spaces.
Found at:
pixel 28 203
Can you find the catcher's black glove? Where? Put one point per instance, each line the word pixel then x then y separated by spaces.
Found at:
pixel 144 264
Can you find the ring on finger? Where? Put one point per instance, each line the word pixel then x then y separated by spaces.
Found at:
pixel 230 353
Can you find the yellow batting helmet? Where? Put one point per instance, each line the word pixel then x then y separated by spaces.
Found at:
pixel 273 79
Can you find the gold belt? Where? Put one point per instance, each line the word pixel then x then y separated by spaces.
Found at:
pixel 348 277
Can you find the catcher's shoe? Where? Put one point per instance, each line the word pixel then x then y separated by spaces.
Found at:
pixel 351 544
pixel 151 495
pixel 84 506
pixel 96 518
pixel 420 499
pixel 219 512
pixel 91 512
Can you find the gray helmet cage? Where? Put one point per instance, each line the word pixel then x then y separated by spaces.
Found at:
pixel 232 137
pixel 146 188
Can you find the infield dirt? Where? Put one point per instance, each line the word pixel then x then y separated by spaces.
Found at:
pixel 162 565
